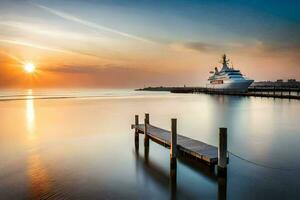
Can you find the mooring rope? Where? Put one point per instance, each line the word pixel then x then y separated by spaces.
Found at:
pixel 262 165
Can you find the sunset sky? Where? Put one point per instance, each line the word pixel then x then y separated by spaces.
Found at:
pixel 119 44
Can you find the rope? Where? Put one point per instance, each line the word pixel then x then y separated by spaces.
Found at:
pixel 262 165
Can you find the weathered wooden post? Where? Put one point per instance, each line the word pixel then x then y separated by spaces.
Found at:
pixel 146 122
pixel 222 152
pixel 173 149
pixel 136 133
pixel 146 138
pixel 173 155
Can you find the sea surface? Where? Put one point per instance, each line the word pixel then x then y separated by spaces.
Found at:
pixel 77 144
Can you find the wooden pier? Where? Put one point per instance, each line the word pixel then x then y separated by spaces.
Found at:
pixel 269 92
pixel 181 145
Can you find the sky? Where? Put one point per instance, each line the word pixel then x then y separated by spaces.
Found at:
pixel 130 44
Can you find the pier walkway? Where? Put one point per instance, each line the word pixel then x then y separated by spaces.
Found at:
pixel 195 148
pixel 182 145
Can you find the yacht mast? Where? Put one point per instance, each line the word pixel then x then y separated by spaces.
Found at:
pixel 225 62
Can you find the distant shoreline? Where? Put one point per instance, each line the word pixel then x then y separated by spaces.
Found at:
pixel 278 85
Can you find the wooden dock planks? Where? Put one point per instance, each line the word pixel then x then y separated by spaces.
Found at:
pixel 185 145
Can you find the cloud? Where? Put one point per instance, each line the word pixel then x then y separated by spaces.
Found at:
pixel 45 30
pixel 257 47
pixel 29 44
pixel 99 69
pixel 204 47
pixel 278 47
pixel 12 56
pixel 73 69
pixel 104 76
pixel 90 24
pixel 42 47
pixel 198 46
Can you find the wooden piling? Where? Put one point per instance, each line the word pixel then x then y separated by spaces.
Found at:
pixel 136 122
pixel 136 134
pixel 173 149
pixel 146 139
pixel 222 151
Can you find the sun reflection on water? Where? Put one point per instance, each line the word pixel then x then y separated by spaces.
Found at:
pixel 39 180
pixel 40 185
pixel 30 113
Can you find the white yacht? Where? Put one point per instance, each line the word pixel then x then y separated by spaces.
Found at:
pixel 228 78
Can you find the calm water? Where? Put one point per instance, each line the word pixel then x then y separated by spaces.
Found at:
pixel 83 147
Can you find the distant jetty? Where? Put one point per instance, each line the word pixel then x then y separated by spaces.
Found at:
pixel 278 89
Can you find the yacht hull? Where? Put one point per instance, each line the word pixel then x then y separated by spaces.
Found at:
pixel 236 86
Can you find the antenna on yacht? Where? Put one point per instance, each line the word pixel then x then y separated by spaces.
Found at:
pixel 224 59
pixel 224 62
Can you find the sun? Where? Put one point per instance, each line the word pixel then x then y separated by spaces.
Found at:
pixel 29 67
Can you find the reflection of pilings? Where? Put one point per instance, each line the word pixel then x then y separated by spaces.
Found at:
pixel 137 149
pixel 173 180
pixel 146 154
pixel 136 139
pixel 204 170
pixel 136 133
pixel 222 164
pixel 157 174
pixel 222 188
pixel 154 171
pixel 207 172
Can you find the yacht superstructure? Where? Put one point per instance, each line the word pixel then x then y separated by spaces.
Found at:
pixel 228 78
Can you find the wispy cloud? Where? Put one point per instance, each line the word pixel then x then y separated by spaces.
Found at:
pixel 29 44
pixel 256 46
pixel 47 48
pixel 114 75
pixel 12 57
pixel 43 30
pixel 74 69
pixel 204 47
pixel 91 24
